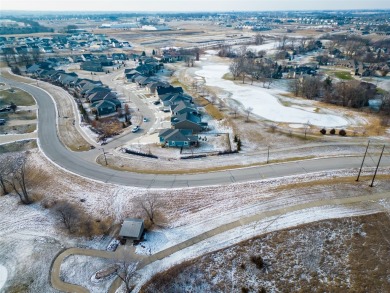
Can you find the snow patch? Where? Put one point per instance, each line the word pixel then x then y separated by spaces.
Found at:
pixel 265 102
pixel 3 276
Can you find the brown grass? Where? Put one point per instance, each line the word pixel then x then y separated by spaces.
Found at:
pixel 359 252
pixel 324 182
pixel 214 112
pixel 140 169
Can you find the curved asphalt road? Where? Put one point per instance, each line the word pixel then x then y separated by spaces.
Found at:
pixel 78 163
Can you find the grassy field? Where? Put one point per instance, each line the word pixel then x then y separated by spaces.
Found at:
pixel 343 75
pixel 18 146
pixel 18 129
pixel 17 96
pixel 21 115
pixel 340 255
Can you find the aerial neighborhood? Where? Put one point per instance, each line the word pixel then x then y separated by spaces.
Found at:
pixel 152 147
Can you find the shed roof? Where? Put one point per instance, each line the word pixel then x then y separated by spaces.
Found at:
pixel 132 228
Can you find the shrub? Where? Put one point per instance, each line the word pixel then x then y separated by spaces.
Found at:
pixel 258 261
pixel 332 131
pixel 239 145
pixel 244 290
pixel 342 132
pixel 242 266
pixel 323 131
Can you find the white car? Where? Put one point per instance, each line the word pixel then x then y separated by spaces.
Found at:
pixel 135 129
pixel 145 119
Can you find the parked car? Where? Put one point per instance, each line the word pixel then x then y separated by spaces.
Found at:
pixel 135 129
pixel 2 121
pixel 145 119
pixel 156 102
pixel 6 109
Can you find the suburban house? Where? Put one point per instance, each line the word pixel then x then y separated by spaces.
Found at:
pixel 95 66
pixel 152 86
pixel 130 73
pixel 178 138
pixel 185 120
pixel 173 98
pixel 132 229
pixel 162 90
pixel 100 95
pixel 188 121
pixel 104 107
pixel 182 107
pixel 119 56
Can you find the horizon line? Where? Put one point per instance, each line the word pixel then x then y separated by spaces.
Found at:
pixel 192 11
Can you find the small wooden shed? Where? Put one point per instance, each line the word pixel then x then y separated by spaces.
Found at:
pixel 132 229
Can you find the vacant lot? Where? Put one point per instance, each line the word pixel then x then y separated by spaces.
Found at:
pixel 18 129
pixel 342 255
pixel 18 146
pixel 16 96
pixel 19 115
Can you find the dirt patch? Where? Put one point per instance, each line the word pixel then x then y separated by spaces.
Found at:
pixel 339 255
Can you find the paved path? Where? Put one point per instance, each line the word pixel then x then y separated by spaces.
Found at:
pixel 146 260
pixel 58 284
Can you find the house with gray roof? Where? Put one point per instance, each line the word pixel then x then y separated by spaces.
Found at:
pixel 178 138
pixel 104 107
pixel 189 121
pixel 182 107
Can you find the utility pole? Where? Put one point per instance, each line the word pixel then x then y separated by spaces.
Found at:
pixel 105 158
pixel 377 166
pixel 361 167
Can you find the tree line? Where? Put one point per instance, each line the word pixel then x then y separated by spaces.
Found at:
pixel 247 64
pixel 29 28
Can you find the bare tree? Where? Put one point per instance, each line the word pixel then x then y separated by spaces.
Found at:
pixel 126 268
pixel 259 39
pixel 18 176
pixel 235 110
pixel 283 42
pixel 5 171
pixel 150 204
pixel 385 107
pixel 248 112
pixel 68 214
pixel 235 68
pixel 311 86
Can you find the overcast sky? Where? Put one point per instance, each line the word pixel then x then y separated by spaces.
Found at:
pixel 189 5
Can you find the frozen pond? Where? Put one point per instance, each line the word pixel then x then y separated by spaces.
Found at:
pixel 3 276
pixel 264 101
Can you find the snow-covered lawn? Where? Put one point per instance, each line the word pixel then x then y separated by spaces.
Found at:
pixel 265 102
pixel 331 255
pixel 30 236
pixel 3 275
pixel 81 269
